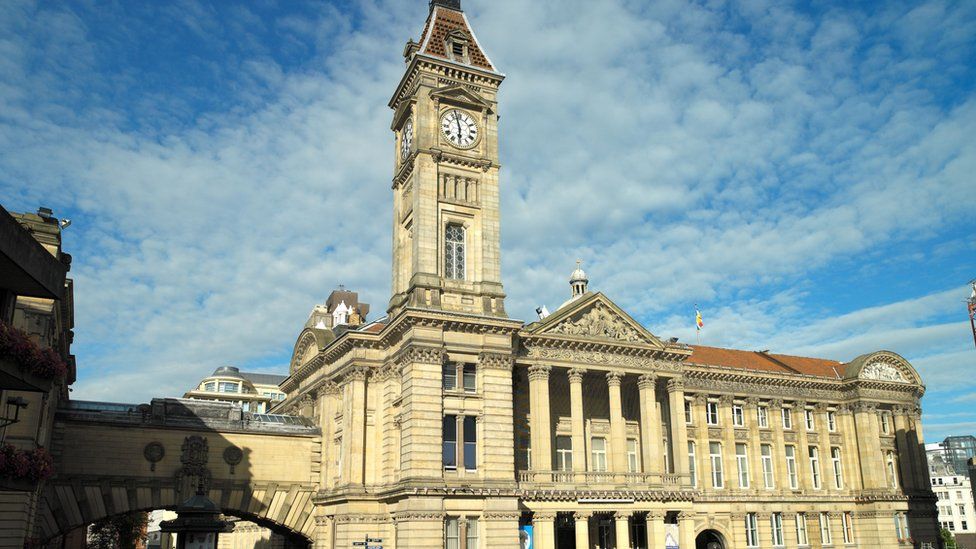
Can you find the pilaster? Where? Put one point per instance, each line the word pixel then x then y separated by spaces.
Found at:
pixel 541 425
pixel 679 433
pixel 651 439
pixel 618 429
pixel 577 419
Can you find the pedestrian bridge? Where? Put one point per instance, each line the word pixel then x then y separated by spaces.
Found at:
pixel 118 458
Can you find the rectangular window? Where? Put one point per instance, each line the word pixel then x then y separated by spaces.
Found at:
pixel 892 474
pixel 633 465
pixel 808 418
pixel 898 532
pixel 454 251
pixel 787 418
pixel 962 510
pixel 715 456
pixel 825 537
pixel 688 416
pixel 801 529
pixel 526 444
pixel 471 535
pixel 564 453
pixel 711 413
pixel 449 376
pixel 470 443
pixel 452 533
pixel 738 415
pixel 450 442
pixel 210 387
pixel 742 464
pixel 752 531
pixel 228 387
pixel 766 451
pixel 598 451
pixel 838 467
pixel 691 464
pixel 470 374
pixel 776 524
pixel 814 454
pixel 791 466
pixel 848 528
pixel 964 526
pixel 831 421
pixel 885 424
pixel 762 416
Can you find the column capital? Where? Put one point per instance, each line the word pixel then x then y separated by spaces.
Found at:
pixel 687 515
pixel 799 404
pixel 656 515
pixel 820 407
pixel 543 516
pixel 539 371
pixel 676 384
pixel 622 515
pixel 726 400
pixel 582 515
pixel 699 398
pixel 647 381
pixel 844 410
pixel 864 407
pixel 752 403
pixel 614 378
pixel 576 375
pixel 776 404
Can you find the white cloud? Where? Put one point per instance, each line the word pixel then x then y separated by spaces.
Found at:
pixel 684 160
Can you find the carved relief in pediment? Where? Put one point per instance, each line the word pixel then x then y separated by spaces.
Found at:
pixel 599 322
pixel 882 372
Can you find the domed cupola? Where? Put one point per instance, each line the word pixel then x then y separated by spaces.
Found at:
pixel 578 280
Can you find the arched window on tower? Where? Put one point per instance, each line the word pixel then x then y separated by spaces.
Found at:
pixel 454 251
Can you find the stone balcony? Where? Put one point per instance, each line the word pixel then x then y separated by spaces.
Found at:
pixel 591 484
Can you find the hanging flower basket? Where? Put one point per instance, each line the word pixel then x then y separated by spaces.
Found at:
pixel 17 347
pixel 23 469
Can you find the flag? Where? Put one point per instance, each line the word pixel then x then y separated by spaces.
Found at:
pixel 698 319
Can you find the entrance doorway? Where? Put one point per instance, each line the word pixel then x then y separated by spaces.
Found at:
pixel 709 539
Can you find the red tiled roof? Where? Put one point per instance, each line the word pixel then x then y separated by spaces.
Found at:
pixel 433 40
pixel 766 362
pixel 374 328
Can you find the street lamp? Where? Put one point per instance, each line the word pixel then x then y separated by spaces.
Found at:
pixel 197 524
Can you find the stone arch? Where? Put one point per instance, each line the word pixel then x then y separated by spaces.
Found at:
pixel 309 342
pixel 709 535
pixel 882 366
pixel 67 504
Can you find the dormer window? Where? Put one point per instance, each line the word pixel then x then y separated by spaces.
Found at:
pixel 457 46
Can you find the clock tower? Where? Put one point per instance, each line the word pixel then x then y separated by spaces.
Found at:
pixel 446 237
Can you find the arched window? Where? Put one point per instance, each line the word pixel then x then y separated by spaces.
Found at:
pixel 454 251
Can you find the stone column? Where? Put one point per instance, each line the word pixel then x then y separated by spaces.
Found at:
pixel 764 530
pixel 907 458
pixel 823 435
pixel 622 529
pixel 618 429
pixel 728 443
pixel 873 470
pixel 541 427
pixel 651 439
pixel 789 530
pixel 802 446
pixel 738 530
pixel 757 478
pixel 330 400
pixel 577 420
pixel 779 454
pixel 686 529
pixel 495 370
pixel 544 529
pixel 582 526
pixel 917 440
pixel 679 434
pixel 355 438
pixel 850 458
pixel 701 449
pixel 655 528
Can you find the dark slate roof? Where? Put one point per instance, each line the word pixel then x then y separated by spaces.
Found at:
pixel 264 379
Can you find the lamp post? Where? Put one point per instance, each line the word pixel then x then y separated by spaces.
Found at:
pixel 198 523
pixel 972 310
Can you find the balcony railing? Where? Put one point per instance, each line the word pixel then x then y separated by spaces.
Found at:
pixel 635 480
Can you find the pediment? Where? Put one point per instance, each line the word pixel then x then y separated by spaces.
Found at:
pixel 461 95
pixel 595 317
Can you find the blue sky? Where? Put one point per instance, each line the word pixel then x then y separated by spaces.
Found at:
pixel 805 175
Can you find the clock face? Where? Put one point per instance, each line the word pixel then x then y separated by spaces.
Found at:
pixel 459 128
pixel 406 139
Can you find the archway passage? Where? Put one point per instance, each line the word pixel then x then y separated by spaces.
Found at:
pixel 710 539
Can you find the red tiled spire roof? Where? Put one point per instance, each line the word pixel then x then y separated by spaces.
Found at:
pixel 441 22
pixel 765 362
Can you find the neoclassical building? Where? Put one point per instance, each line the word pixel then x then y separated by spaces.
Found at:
pixel 449 424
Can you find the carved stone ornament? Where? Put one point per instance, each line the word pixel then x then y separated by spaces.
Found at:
pixel 420 354
pixel 882 372
pixel 601 358
pixel 193 473
pixel 765 436
pixel 576 375
pixel 601 323
pixel 153 452
pixel 539 372
pixel 789 437
pixel 714 432
pixel 233 456
pixel 496 361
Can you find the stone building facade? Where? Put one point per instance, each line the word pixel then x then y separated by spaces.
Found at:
pixel 448 424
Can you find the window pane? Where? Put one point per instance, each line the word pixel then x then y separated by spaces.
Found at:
pixel 470 378
pixel 472 534
pixel 470 442
pixel 450 441
pixel 450 376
